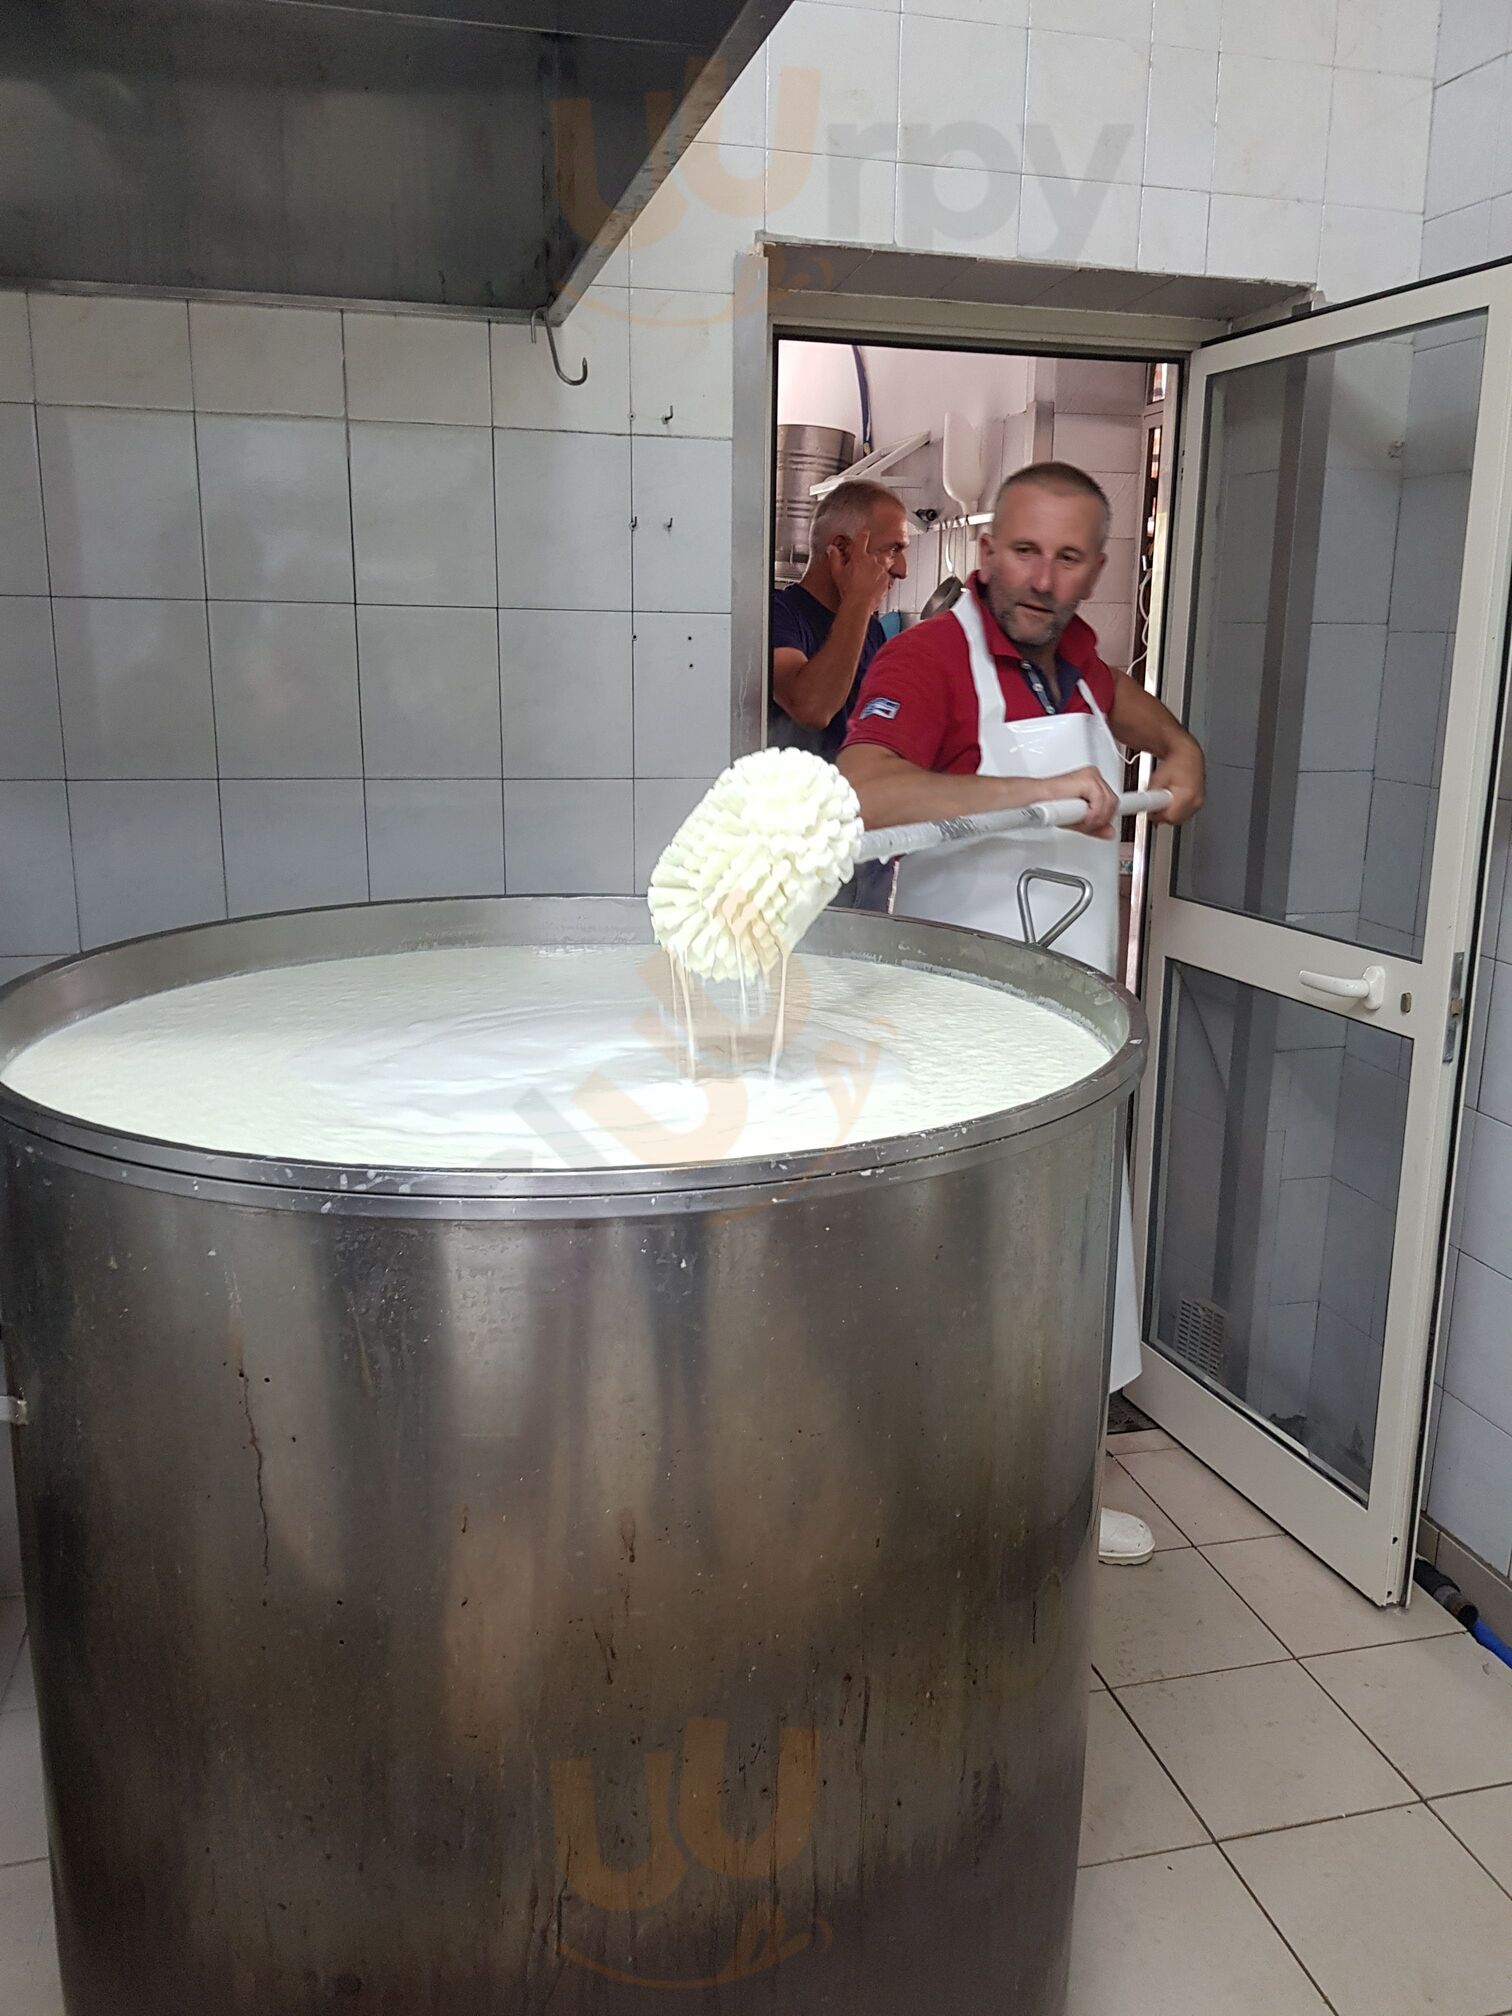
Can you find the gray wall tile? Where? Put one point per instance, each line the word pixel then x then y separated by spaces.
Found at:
pixel 661 805
pixel 681 369
pixel 1372 1129
pixel 1430 552
pixel 1344 673
pixel 31 738
pixel 1214 854
pixel 285 678
pixel 1466 113
pixel 1475 1036
pixel 1471 32
pixel 1356 544
pixel 422 514
pixel 1446 385
pixel 121 497
pixel 135 683
pixel 23 550
pixel 566 683
pixel 1357 1258
pixel 435 838
pixel 147 857
pixel 1397 853
pixel 1496 878
pixel 254 359
pixel 430 692
pixel 1485 1187
pixel 37 912
pixel 563 514
pixel 417 367
pixel 527 391
pixel 278 523
pixel 15 348
pixel 1470 1493
pixel 1412 703
pixel 1493 1011
pixel 1328 845
pixel 1311 1081
pixel 95 350
pixel 1500 923
pixel 570 838
pixel 294 844
pixel 681 542
pixel 1344 1385
pixel 1302 1226
pixel 682 695
pixel 1246 538
pixel 1478 1360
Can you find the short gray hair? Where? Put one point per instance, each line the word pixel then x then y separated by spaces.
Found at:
pixel 1066 480
pixel 846 509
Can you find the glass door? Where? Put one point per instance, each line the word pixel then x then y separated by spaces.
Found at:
pixel 1339 601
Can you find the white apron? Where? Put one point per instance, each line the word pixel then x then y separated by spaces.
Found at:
pixel 975 882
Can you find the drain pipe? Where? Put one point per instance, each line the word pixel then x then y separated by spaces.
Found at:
pixel 1448 1593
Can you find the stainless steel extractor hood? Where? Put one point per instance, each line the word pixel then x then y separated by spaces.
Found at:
pixel 473 154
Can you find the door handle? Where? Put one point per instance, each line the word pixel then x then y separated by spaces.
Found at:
pixel 1369 990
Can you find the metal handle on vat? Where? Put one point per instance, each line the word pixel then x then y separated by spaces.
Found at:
pixel 1063 923
pixel 13 1409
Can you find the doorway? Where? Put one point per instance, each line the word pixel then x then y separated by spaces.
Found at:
pixel 942 426
pixel 1339 552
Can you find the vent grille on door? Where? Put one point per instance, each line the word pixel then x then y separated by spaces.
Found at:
pixel 1200 1335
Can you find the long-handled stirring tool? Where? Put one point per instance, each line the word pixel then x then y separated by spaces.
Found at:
pixel 771 842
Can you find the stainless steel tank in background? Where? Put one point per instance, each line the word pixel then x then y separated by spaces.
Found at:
pixel 634 1590
pixel 805 456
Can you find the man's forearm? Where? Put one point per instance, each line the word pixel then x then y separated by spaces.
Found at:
pixel 900 794
pixel 1143 723
pixel 822 687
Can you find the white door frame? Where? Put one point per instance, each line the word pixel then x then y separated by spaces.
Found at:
pixel 1168 416
pixel 1372 1544
pixel 762 317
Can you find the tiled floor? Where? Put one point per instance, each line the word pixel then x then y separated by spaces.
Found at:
pixel 1296 1803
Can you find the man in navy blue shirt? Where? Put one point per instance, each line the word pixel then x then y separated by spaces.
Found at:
pixel 825 630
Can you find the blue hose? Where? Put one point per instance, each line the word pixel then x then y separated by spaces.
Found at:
pixel 1442 1590
pixel 1481 1631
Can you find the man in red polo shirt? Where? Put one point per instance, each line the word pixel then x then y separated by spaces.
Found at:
pixel 956 714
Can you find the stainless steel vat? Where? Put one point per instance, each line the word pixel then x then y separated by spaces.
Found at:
pixel 477 1593
pixel 805 456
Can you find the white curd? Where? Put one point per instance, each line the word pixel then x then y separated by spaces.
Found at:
pixel 521 1057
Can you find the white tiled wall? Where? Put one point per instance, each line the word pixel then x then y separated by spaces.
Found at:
pixel 285 618
pixel 1468 204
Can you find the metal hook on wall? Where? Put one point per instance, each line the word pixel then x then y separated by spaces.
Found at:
pixel 538 316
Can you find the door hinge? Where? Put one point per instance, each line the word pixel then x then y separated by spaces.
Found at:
pixel 1456 1015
